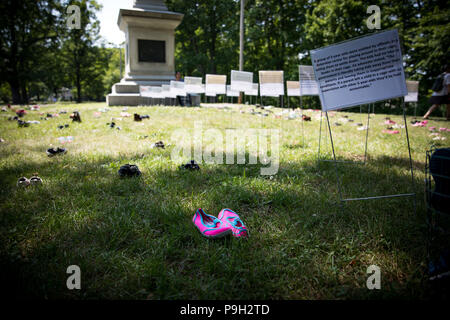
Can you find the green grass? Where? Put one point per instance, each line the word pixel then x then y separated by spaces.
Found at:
pixel 134 238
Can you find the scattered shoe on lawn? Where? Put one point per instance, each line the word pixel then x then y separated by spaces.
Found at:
pixel 53 152
pixel 35 180
pixel 209 226
pixel 190 166
pixel 306 118
pixel 158 144
pixel 22 124
pixel 23 182
pixel 21 113
pixel 232 220
pixel 75 116
pixel 137 117
pixel 391 131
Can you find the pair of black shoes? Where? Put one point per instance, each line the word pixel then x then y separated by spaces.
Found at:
pixel 63 126
pixel 138 117
pixel 129 170
pixel 190 166
pixel 54 152
pixel 22 123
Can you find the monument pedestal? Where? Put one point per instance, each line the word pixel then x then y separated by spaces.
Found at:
pixel 149 55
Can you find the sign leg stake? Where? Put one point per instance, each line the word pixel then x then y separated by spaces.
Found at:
pixel 320 137
pixel 410 158
pixel 367 132
pixel 335 162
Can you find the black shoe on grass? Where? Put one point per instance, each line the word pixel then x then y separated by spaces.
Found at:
pixel 158 144
pixel 190 166
pixel 137 117
pixel 53 152
pixel 75 116
pixel 129 170
pixel 22 124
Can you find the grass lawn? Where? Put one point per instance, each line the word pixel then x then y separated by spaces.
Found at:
pixel 134 238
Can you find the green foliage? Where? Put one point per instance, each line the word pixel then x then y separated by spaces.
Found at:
pixel 28 28
pixel 115 58
pixel 5 92
pixel 36 45
pixel 85 63
pixel 276 32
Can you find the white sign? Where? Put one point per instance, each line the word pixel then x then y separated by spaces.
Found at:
pixel 177 87
pixel 253 91
pixel 241 81
pixel 413 91
pixel 231 93
pixel 360 71
pixel 308 83
pixel 271 83
pixel 193 85
pixel 145 91
pixel 167 93
pixel 215 84
pixel 156 92
pixel 293 88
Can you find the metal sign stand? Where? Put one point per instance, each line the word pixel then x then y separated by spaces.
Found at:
pixel 412 194
pixel 343 161
pixel 303 129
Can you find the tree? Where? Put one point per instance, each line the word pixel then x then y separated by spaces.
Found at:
pixel 27 29
pixel 78 51
pixel 207 39
pixel 112 73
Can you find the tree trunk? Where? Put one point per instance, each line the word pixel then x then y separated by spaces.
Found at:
pixel 15 91
pixel 24 99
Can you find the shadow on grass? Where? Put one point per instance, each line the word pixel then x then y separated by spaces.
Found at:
pixel 134 239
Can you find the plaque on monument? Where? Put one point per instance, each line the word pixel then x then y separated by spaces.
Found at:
pixel 152 51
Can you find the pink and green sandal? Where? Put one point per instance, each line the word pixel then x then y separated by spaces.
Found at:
pixel 232 220
pixel 209 226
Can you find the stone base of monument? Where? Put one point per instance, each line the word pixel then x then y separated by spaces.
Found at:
pixel 149 52
pixel 127 92
pixel 123 99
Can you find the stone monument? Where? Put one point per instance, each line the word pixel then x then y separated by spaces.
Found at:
pixel 149 54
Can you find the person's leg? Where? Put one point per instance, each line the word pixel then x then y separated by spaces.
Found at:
pixel 180 101
pixel 448 111
pixel 433 107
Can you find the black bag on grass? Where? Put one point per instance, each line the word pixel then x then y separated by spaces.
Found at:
pixel 440 170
